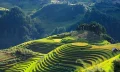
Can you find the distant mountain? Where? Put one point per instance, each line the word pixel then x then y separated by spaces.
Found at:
pixel 41 18
pixel 64 15
pixel 59 15
pixel 28 6
pixel 106 14
pixel 111 1
pixel 16 27
pixel 87 1
pixel 74 1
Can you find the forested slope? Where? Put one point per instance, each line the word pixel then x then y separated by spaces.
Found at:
pixel 16 27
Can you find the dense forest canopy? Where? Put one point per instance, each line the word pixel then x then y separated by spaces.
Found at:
pixel 23 20
pixel 97 29
pixel 17 27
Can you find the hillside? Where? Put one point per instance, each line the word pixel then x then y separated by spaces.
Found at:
pixel 59 35
pixel 58 15
pixel 97 1
pixel 107 15
pixel 28 6
pixel 75 1
pixel 43 18
pixel 76 51
pixel 67 15
pixel 17 27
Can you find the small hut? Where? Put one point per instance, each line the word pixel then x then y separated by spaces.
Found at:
pixel 114 49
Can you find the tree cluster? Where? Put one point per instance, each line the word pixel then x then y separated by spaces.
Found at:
pixel 97 29
pixel 16 27
pixel 58 30
pixel 116 66
pixel 94 27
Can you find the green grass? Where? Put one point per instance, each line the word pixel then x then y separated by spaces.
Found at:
pixel 41 45
pixel 3 9
pixel 103 42
pixel 27 66
pixel 106 65
pixel 77 57
pixel 50 55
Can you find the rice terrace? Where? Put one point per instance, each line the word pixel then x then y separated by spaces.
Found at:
pixel 61 53
pixel 59 35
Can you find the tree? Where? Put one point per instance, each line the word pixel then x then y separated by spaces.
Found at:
pixel 94 27
pixel 97 28
pixel 17 27
pixel 83 27
pixel 58 30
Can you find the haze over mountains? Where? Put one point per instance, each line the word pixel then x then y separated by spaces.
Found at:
pixel 41 18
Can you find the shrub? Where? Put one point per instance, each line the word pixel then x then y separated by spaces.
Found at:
pixel 117 66
pixel 68 40
pixel 108 38
pixel 94 27
pixel 82 40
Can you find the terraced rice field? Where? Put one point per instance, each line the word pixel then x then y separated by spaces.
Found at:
pixel 42 45
pixel 5 56
pixel 51 55
pixel 72 57
pixel 27 66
